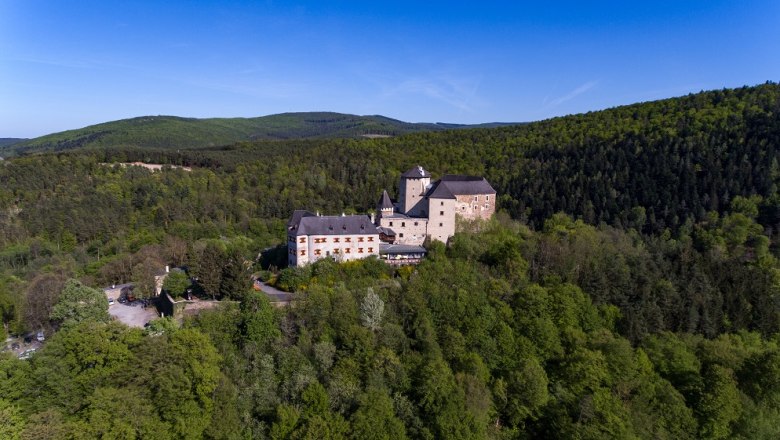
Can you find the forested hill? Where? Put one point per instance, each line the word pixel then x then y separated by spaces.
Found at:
pixel 650 166
pixel 7 142
pixel 633 295
pixel 170 132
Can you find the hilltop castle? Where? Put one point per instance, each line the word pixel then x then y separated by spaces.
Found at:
pixel 426 209
pixel 423 210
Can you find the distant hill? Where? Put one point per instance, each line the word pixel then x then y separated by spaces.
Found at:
pixel 6 142
pixel 171 132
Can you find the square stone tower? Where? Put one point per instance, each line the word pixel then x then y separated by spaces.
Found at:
pixel 414 184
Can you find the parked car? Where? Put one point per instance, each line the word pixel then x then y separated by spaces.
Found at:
pixel 111 301
pixel 40 337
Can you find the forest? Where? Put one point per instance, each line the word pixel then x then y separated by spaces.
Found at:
pixel 628 287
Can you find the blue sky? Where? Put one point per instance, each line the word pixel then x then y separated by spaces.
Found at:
pixel 67 65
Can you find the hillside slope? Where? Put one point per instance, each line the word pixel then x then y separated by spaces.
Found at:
pixel 171 132
pixel 7 142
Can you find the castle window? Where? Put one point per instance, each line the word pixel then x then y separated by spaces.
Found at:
pixel 487 206
pixel 370 250
pixel 346 251
pixel 360 239
pixel 403 224
pixel 360 250
pixel 415 223
pixel 348 239
pixel 336 251
pixel 317 252
pixel 441 212
pixel 441 225
pixel 476 198
pixel 370 238
pixel 302 240
pixel 487 198
pixel 442 203
pixel 303 252
pixel 336 239
pixel 391 223
pixel 324 240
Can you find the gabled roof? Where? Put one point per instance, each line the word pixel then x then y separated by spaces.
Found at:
pixel 385 202
pixel 298 214
pixel 417 172
pixel 387 231
pixel 451 185
pixel 333 225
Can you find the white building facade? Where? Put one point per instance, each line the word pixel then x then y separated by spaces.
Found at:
pixel 311 236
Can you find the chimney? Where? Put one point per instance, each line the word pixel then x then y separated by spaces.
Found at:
pixel 372 218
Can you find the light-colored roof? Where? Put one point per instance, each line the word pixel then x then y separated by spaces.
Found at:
pixel 394 249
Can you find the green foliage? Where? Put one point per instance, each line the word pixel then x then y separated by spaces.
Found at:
pixel 174 132
pixel 258 322
pixel 637 300
pixel 11 421
pixel 160 326
pixel 375 418
pixel 176 283
pixel 79 303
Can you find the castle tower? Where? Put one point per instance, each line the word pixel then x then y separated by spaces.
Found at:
pixel 412 189
pixel 385 206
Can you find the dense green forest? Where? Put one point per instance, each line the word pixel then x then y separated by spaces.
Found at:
pixel 628 289
pixel 4 142
pixel 170 132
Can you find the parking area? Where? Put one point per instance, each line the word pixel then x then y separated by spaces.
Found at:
pixel 131 314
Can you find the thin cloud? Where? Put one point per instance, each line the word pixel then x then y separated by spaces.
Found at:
pixel 456 92
pixel 573 94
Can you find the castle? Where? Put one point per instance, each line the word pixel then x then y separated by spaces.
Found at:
pixel 396 234
pixel 426 209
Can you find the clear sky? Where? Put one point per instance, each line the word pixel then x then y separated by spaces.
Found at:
pixel 68 64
